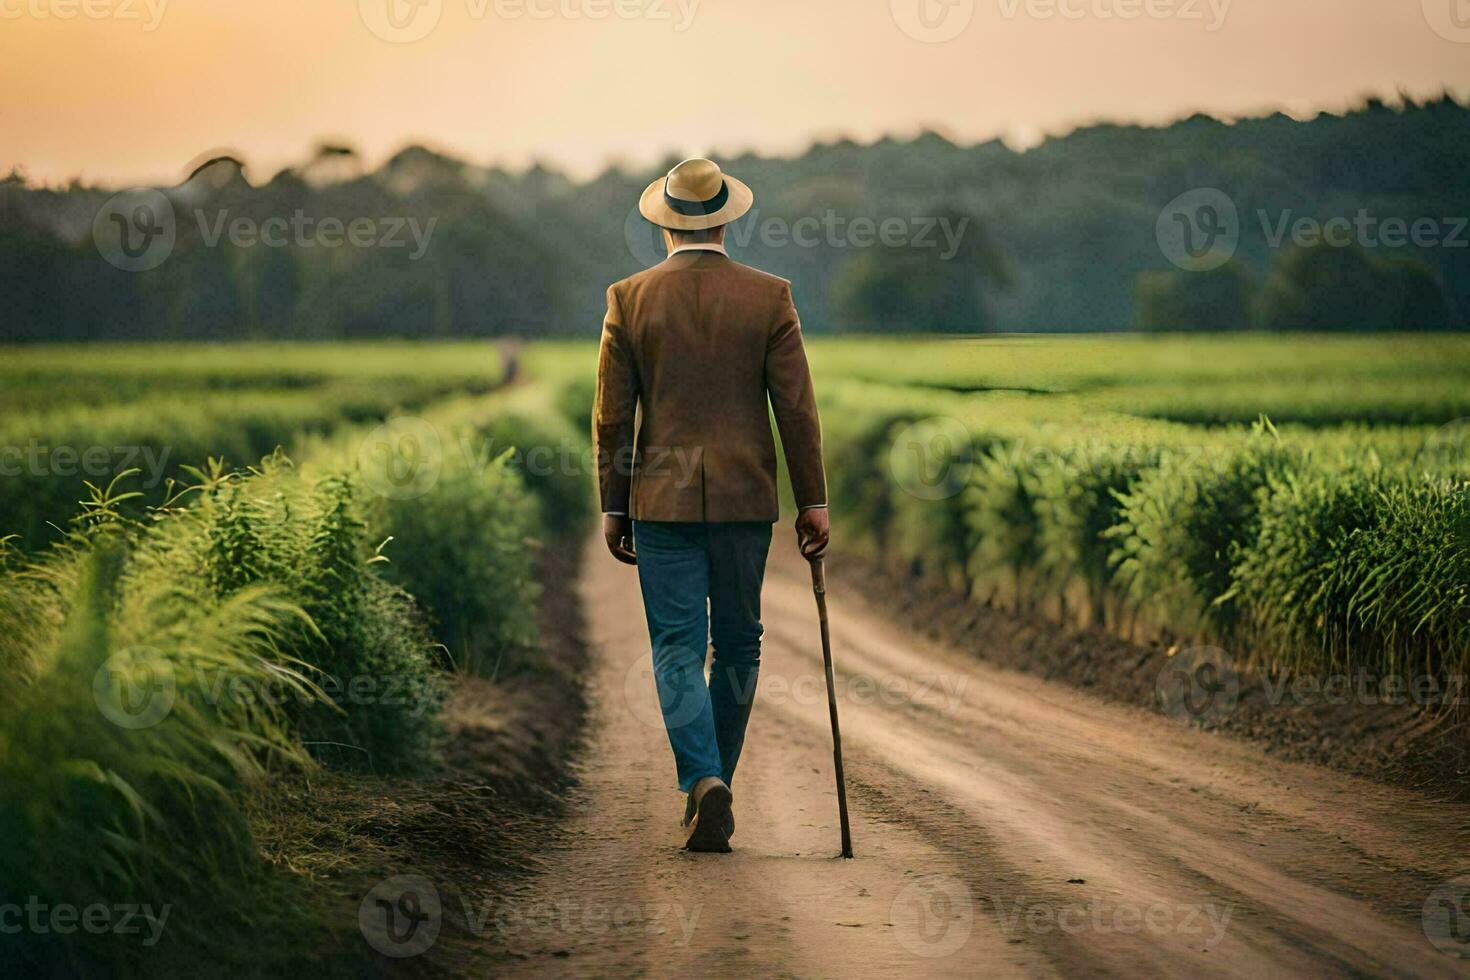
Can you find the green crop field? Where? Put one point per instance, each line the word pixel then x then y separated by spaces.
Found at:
pixel 295 516
pixel 332 533
pixel 1301 501
pixel 78 414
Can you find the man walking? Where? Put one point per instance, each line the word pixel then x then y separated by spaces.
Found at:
pixel 693 350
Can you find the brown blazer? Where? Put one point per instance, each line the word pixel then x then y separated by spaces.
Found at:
pixel 691 350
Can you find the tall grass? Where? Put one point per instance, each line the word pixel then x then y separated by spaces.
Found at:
pixel 1362 570
pixel 1184 524
pixel 100 804
pixel 312 537
pixel 510 474
pixel 288 615
pixel 1303 549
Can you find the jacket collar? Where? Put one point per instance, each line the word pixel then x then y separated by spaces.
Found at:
pixel 701 247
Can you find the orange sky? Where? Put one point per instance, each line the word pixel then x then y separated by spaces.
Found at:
pixel 132 90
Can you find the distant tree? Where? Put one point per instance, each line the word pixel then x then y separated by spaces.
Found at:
pixel 276 281
pixel 913 289
pixel 1330 288
pixel 1221 299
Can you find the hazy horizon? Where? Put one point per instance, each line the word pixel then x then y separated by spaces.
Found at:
pixel 581 85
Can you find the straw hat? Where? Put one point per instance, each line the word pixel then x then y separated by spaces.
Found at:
pixel 693 196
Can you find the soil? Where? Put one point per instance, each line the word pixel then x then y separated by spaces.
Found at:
pixel 1349 727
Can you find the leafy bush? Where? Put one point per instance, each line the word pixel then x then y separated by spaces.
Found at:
pixel 859 424
pixel 1183 526
pixel 1326 287
pixel 361 641
pixel 552 455
pixel 1362 569
pixel 929 465
pixel 1001 508
pixel 463 552
pixel 1079 501
pixel 1218 299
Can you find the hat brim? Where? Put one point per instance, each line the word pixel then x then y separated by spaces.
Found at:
pixel 653 207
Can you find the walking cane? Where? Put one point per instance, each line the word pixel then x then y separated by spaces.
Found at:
pixel 819 588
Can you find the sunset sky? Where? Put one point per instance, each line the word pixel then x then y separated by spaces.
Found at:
pixel 129 91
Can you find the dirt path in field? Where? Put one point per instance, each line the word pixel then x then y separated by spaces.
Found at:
pixel 1003 824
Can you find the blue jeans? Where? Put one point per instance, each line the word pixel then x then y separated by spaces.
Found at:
pixel 702 587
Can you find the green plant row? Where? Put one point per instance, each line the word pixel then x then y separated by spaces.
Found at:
pixel 47 457
pixel 289 615
pixel 1303 549
pixel 119 371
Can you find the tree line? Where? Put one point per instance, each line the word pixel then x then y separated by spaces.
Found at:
pixel 1339 222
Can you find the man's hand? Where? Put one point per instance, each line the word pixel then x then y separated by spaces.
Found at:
pixel 811 532
pixel 618 532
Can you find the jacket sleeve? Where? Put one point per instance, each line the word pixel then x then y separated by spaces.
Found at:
pixel 789 382
pixel 614 412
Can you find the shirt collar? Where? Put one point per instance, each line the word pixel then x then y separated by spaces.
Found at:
pixel 701 247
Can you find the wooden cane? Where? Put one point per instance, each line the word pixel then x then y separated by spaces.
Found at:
pixel 819 588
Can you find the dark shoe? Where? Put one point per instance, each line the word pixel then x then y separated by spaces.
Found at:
pixel 712 801
pixel 688 820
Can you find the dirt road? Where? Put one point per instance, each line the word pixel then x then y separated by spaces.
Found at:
pixel 1004 825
